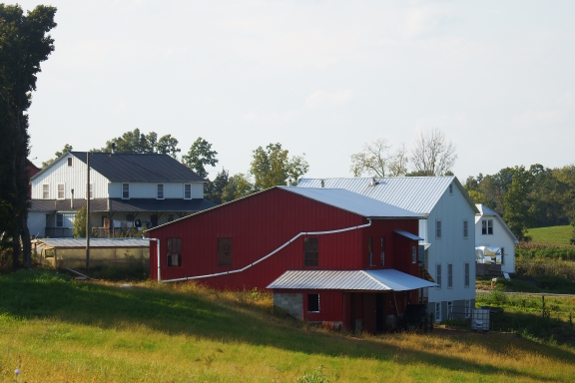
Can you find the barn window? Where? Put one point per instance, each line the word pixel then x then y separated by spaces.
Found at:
pixel 313 303
pixel 174 252
pixel 224 252
pixel 487 227
pixel 310 252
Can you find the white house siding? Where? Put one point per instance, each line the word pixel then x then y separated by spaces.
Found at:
pixel 452 210
pixel 150 190
pixel 73 177
pixel 499 238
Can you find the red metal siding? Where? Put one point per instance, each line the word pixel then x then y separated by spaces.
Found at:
pixel 331 306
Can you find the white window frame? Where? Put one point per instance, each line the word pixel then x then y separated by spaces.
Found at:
pixel 438 275
pixel 63 191
pixel 45 191
pixel 160 192
pixel 437 312
pixel 437 229
pixel 190 186
pixel 466 275
pixel 124 191
pixel 488 223
pixel 465 229
pixel 450 275
pixel 60 217
pixel 414 254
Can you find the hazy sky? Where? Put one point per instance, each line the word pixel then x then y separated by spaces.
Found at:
pixel 320 77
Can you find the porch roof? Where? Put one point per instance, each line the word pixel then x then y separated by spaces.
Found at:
pixel 359 280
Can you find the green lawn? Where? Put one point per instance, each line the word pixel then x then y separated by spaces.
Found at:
pixel 55 329
pixel 553 235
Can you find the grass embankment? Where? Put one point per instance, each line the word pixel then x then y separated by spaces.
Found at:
pixel 552 235
pixel 57 329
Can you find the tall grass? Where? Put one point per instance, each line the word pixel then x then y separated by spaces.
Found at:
pixel 57 329
pixel 553 235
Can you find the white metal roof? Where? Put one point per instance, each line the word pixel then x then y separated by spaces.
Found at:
pixel 352 202
pixel 359 280
pixel 95 242
pixel 417 194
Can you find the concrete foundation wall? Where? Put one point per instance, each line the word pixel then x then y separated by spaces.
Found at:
pixel 291 303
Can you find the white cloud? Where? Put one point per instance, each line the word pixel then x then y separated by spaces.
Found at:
pixel 321 98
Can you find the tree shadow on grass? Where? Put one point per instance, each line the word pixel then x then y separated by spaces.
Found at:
pixel 30 295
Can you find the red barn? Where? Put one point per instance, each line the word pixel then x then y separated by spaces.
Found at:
pixel 329 255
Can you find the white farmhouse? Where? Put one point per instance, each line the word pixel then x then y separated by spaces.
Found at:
pixel 127 191
pixel 448 236
pixel 491 231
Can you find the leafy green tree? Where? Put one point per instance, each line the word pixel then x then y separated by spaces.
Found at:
pixel 140 143
pixel 238 186
pixel 80 223
pixel 516 204
pixel 67 148
pixel 272 166
pixel 214 189
pixel 199 156
pixel 24 44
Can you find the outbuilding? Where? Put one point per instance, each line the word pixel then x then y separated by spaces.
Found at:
pixel 356 259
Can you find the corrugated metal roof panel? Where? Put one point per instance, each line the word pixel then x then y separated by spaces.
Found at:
pixel 360 280
pixel 407 234
pixel 417 194
pixel 95 242
pixel 352 202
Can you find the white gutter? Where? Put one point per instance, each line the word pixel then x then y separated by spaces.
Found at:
pixel 158 251
pixel 264 257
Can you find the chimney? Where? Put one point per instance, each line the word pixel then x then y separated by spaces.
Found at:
pixel 113 148
pixel 322 183
pixel 72 200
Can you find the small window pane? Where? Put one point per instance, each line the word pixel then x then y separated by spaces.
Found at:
pixel 187 191
pixel 466 274
pixel 490 226
pixel 438 275
pixel 310 250
pixel 449 275
pixel 174 252
pixel 465 229
pixel 125 191
pixel 438 229
pixel 69 161
pixel 60 191
pixel 160 191
pixel 46 191
pixel 59 220
pixel 313 303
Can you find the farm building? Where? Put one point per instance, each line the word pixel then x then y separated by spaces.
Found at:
pixel 329 255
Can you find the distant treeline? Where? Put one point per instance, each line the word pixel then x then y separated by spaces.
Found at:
pixel 527 198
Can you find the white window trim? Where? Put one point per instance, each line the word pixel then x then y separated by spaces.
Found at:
pixel 122 191
pixel 190 185
pixel 438 276
pixel 43 191
pixel 438 225
pixel 158 192
pixel 465 229
pixel 450 275
pixel 58 191
pixel 466 275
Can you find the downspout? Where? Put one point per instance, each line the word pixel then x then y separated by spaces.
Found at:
pixel 266 256
pixel 158 253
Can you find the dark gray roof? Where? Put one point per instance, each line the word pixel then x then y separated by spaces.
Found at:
pixel 127 167
pixel 116 204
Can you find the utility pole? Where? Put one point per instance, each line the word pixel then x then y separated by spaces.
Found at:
pixel 88 215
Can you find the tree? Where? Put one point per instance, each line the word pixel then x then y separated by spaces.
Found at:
pixel 24 44
pixel 272 166
pixel 80 223
pixel 67 148
pixel 238 186
pixel 140 143
pixel 431 155
pixel 200 155
pixel 214 189
pixel 377 161
pixel 515 202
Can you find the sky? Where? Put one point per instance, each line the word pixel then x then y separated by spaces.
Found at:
pixel 320 77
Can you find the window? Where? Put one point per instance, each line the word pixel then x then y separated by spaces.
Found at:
pixel 487 227
pixel 187 191
pixel 502 255
pixel 370 251
pixel 438 275
pixel 313 303
pixel 91 188
pixel 69 161
pixel 450 189
pixel 467 308
pixel 160 191
pixel 59 220
pixel 450 275
pixel 465 229
pixel 413 254
pixel 466 278
pixel 61 191
pixel 174 252
pixel 310 252
pixel 224 252
pixel 125 191
pixel 438 312
pixel 438 229
pixel 382 251
pixel 449 310
pixel 46 191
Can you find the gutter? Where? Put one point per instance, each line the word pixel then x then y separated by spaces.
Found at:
pixel 262 258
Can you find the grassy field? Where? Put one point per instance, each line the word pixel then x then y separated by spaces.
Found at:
pixel 54 329
pixel 553 235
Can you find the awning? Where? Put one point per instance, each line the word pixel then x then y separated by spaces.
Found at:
pixel 359 280
pixel 407 234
